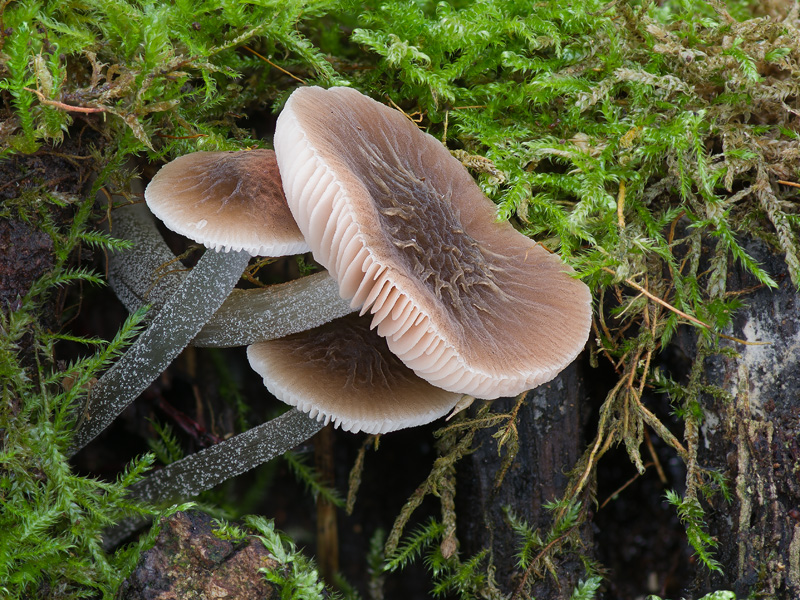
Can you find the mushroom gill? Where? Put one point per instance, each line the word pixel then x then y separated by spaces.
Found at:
pixel 342 372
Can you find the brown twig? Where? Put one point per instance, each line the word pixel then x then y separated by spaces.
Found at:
pixel 663 303
pixel 268 61
pixel 620 489
pixel 664 433
pixel 791 183
pixel 181 137
pixel 410 117
pixel 62 106
pixel 673 226
pixel 656 463
pixel 22 177
pixel 745 342
pixel 536 558
pixel 603 349
pixel 65 156
pixel 602 316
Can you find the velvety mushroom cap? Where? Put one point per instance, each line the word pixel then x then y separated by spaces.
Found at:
pixel 227 201
pixel 343 372
pixel 467 302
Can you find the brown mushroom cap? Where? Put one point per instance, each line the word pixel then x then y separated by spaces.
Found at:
pixel 227 201
pixel 467 302
pixel 343 372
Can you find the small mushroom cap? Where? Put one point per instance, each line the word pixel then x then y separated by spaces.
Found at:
pixel 227 201
pixel 467 302
pixel 343 372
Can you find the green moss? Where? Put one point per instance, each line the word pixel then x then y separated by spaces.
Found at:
pixel 52 519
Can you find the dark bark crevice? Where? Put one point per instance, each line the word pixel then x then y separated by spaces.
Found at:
pixel 550 427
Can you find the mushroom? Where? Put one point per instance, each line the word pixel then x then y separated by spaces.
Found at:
pixel 467 302
pixel 213 198
pixel 342 372
pixel 226 201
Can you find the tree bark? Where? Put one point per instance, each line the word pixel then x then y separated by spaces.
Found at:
pixel 752 436
pixel 550 427
pixel 190 561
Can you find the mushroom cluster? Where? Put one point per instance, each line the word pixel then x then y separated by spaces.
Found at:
pixel 452 302
pixel 213 198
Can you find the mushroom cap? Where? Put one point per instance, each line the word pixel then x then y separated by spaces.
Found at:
pixel 227 201
pixel 344 372
pixel 467 302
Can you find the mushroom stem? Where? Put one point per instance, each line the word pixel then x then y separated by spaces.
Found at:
pixel 178 321
pixel 259 315
pixel 142 275
pixel 205 469
pixel 147 272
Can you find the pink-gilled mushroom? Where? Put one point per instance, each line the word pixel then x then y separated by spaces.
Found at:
pixel 342 372
pixel 146 274
pixel 226 201
pixel 468 303
pixel 339 372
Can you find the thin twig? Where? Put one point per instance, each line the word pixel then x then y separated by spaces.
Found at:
pixel 536 558
pixel 663 303
pixel 602 346
pixel 268 61
pixel 61 105
pixel 66 156
pixel 181 137
pixel 621 488
pixel 646 369
pixel 745 342
pixel 791 183
pixel 602 315
pixel 664 433
pixel 411 116
pixel 656 463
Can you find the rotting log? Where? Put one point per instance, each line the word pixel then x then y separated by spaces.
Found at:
pixel 751 435
pixel 550 428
